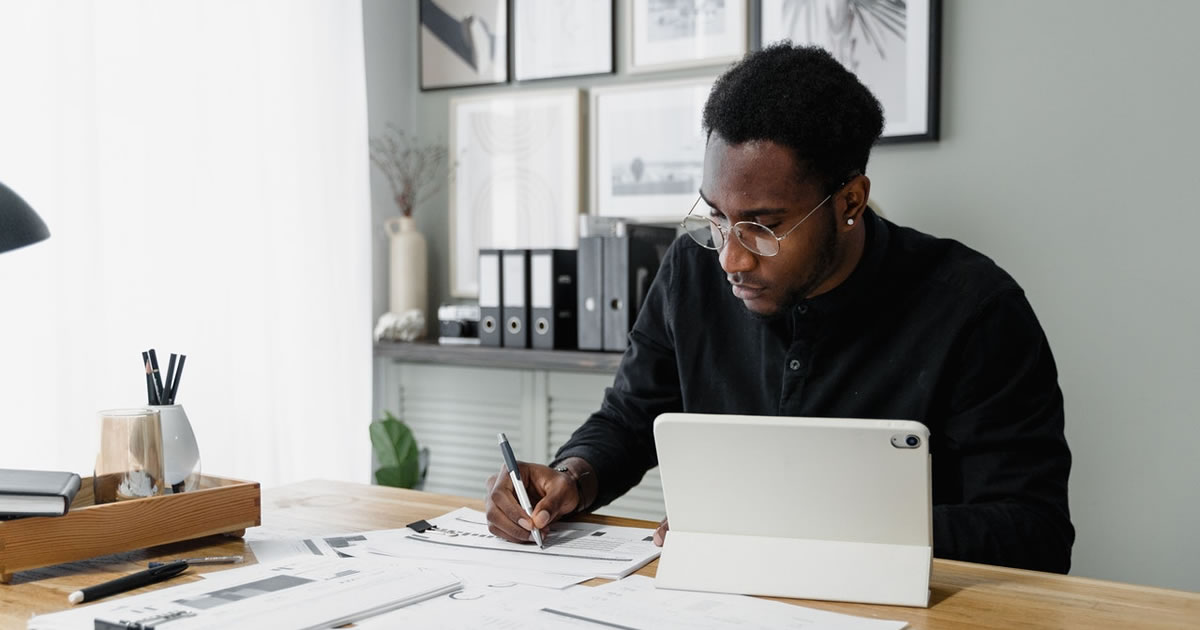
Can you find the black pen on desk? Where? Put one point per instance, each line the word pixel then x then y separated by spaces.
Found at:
pixel 128 582
pixel 204 560
pixel 510 461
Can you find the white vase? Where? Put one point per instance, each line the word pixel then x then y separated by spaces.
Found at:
pixel 407 276
pixel 181 454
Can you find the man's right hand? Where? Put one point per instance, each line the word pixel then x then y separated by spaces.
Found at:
pixel 553 494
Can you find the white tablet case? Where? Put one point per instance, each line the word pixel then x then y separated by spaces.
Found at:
pixel 812 508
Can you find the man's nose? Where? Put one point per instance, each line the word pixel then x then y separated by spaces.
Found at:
pixel 735 258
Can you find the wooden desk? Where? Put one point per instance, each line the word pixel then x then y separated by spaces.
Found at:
pixel 964 595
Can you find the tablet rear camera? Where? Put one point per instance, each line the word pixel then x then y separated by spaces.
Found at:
pixel 912 441
pixel 906 440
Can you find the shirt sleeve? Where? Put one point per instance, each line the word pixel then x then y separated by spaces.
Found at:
pixel 618 440
pixel 1004 432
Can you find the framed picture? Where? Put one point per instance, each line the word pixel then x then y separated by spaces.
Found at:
pixel 463 42
pixel 892 45
pixel 553 38
pixel 647 149
pixel 668 34
pixel 516 180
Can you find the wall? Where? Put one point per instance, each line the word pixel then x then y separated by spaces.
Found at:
pixel 1066 127
pixel 389 36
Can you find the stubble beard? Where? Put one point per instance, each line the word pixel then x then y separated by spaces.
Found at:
pixel 821 269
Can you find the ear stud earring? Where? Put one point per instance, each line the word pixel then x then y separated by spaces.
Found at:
pixel 849 221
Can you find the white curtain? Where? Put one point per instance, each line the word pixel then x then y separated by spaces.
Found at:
pixel 202 167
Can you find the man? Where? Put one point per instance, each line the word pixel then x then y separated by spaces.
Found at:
pixel 812 305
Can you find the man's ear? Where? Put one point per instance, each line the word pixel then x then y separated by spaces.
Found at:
pixel 852 202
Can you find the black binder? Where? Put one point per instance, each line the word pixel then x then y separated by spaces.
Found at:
pixel 553 292
pixel 490 286
pixel 630 262
pixel 589 304
pixel 514 300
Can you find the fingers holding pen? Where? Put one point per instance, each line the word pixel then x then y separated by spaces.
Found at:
pixel 506 518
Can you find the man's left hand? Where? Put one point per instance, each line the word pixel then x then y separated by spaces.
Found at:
pixel 660 534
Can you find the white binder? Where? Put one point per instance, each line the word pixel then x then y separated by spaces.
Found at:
pixel 812 508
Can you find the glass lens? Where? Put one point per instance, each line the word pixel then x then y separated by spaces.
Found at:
pixel 757 238
pixel 703 231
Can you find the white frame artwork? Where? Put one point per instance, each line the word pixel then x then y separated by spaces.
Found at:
pixel 662 35
pixel 516 181
pixel 891 46
pixel 647 147
pixel 557 38
pixel 463 42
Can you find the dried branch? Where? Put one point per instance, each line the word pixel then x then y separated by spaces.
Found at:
pixel 413 171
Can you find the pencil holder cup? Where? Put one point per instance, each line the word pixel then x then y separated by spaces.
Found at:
pixel 129 464
pixel 181 454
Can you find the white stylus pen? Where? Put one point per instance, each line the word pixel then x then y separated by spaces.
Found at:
pixel 510 461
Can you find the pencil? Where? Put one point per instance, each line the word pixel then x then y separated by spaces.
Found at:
pixel 149 379
pixel 178 375
pixel 157 377
pixel 170 377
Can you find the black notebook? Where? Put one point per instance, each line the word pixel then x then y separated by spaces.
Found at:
pixel 36 492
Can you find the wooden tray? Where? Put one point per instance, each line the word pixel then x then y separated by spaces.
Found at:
pixel 219 506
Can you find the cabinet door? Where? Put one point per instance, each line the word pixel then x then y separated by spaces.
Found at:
pixel 571 399
pixel 456 412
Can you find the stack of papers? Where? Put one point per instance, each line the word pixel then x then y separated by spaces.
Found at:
pixel 312 592
pixel 454 574
pixel 583 549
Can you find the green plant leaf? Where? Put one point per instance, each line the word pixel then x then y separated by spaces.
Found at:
pixel 396 449
pixel 394 477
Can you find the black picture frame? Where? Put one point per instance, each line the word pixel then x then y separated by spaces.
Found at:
pixel 464 48
pixel 909 128
pixel 518 37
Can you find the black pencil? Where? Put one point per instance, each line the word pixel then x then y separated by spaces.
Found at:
pixel 178 375
pixel 157 377
pixel 149 379
pixel 170 380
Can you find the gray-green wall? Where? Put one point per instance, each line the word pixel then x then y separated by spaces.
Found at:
pixel 1069 128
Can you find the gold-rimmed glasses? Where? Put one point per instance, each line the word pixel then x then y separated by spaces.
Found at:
pixel 754 236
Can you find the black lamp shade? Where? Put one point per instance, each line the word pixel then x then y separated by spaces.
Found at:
pixel 19 224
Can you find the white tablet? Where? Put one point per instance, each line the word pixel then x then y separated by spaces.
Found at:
pixel 815 508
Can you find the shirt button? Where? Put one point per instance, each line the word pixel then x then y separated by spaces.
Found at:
pixel 794 364
pixel 802 309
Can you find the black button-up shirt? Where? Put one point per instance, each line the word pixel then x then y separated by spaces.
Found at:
pixel 924 329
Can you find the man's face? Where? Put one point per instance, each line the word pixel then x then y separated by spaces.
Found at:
pixel 757 181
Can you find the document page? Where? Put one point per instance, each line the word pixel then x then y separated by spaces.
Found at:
pixel 585 549
pixel 488 599
pixel 635 604
pixel 301 592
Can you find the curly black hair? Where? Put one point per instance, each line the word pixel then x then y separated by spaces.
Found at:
pixel 799 97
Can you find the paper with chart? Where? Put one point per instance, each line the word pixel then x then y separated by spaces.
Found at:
pixel 300 592
pixel 271 546
pixel 635 604
pixel 584 549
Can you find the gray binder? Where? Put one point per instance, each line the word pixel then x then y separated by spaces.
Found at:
pixel 631 260
pixel 490 285
pixel 590 300
pixel 514 301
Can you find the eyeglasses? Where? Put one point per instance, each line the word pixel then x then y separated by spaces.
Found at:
pixel 756 237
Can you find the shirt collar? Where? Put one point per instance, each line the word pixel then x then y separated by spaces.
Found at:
pixel 860 285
